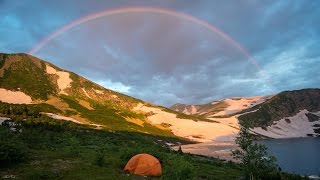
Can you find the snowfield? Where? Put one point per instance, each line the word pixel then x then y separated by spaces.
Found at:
pixel 59 117
pixel 15 97
pixel 194 130
pixel 98 91
pixel 2 119
pixel 230 121
pixel 55 116
pixel 63 81
pixel 85 92
pixel 238 104
pixel 193 110
pixel 234 105
pixel 290 127
pixel 220 150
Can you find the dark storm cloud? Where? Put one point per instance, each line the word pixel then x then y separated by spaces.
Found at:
pixel 165 59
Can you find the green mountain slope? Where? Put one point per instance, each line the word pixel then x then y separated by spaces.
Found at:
pixel 26 73
pixel 80 99
pixel 76 97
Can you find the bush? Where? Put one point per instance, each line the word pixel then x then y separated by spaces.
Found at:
pixel 44 174
pixel 74 146
pixel 100 161
pixel 12 150
pixel 179 169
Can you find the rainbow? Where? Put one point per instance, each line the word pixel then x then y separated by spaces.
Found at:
pixel 113 12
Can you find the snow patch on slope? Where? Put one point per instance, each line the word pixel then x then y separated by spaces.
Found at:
pixel 15 97
pixel 194 130
pixel 55 116
pixel 59 117
pixel 230 121
pixel 63 81
pixel 114 96
pixel 220 150
pixel 214 102
pixel 98 91
pixel 193 110
pixel 2 119
pixel 238 104
pixel 290 127
pixel 85 92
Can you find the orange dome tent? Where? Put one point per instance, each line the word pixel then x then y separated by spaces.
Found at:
pixel 144 165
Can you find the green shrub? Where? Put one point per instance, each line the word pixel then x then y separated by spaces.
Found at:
pixel 12 150
pixel 253 157
pixel 43 174
pixel 100 157
pixel 180 169
pixel 73 147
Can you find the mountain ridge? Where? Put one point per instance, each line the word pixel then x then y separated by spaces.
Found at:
pixel 222 107
pixel 74 98
pixel 274 116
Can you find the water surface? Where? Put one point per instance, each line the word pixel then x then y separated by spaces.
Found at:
pixel 298 155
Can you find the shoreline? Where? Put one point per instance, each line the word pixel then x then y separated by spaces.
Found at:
pixel 217 149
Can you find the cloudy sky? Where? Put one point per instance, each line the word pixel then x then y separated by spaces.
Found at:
pixel 172 57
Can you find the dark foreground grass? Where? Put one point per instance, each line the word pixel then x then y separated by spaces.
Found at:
pixel 43 148
pixel 53 149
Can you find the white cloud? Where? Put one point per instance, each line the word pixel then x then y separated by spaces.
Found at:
pixel 116 86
